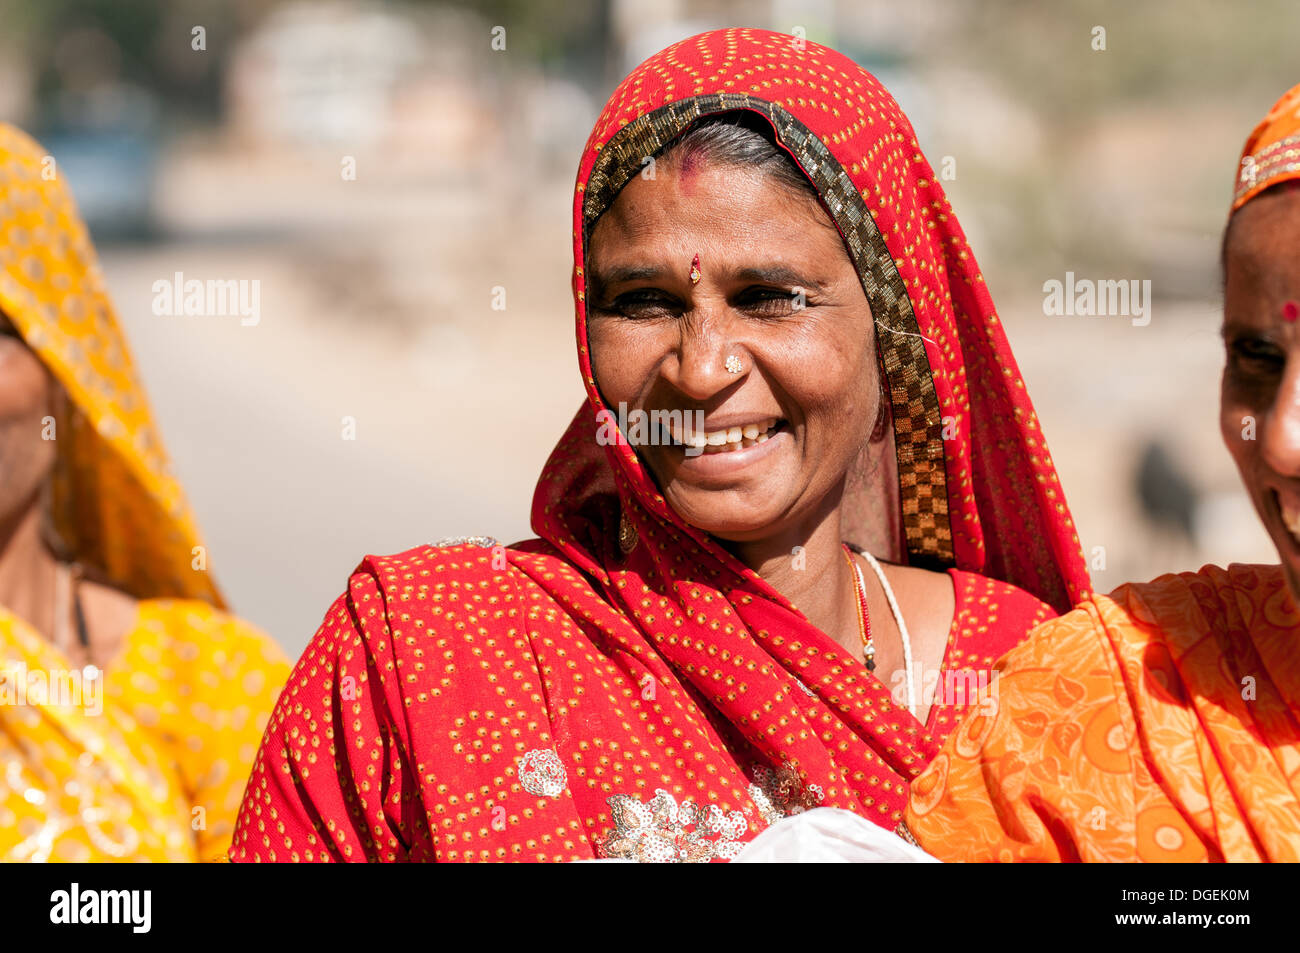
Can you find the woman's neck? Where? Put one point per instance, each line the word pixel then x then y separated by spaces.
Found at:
pixel 807 566
pixel 27 569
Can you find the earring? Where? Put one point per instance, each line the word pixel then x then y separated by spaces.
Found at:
pixel 734 365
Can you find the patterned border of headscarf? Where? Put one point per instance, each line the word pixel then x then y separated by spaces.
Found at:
pixel 1272 151
pixel 1272 164
pixel 918 429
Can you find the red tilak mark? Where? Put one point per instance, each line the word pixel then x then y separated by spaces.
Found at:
pixel 695 272
pixel 688 167
pixel 1291 310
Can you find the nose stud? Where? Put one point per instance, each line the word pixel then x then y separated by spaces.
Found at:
pixel 733 364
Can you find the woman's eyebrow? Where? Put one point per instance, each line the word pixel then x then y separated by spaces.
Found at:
pixel 1238 324
pixel 778 275
pixel 600 280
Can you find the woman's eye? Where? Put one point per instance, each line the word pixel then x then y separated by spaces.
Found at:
pixel 1256 356
pixel 771 301
pixel 642 304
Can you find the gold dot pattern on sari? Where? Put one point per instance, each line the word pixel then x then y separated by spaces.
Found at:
pixel 451 710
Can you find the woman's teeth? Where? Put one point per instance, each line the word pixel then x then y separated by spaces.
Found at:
pixel 1290 510
pixel 733 438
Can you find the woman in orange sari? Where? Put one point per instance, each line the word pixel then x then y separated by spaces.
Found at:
pixel 1162 722
pixel 130 705
pixel 806 485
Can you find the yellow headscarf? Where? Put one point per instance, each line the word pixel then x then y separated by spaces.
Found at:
pixel 115 505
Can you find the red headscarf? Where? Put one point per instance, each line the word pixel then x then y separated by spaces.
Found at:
pixel 583 686
pixel 977 484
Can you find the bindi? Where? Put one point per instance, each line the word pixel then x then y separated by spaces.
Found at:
pixel 1291 311
pixel 696 274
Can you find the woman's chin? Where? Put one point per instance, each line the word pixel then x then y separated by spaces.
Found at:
pixel 737 517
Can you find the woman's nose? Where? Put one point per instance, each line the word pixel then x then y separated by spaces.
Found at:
pixel 704 345
pixel 1280 435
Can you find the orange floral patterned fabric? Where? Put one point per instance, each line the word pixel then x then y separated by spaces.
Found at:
pixel 1160 723
pixel 622 685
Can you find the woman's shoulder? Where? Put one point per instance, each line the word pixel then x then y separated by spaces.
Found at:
pixel 460 561
pixel 992 617
pixel 1106 630
pixel 1179 610
pixel 1210 589
pixel 975 589
pixel 191 629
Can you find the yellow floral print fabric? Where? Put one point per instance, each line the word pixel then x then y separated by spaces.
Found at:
pixel 149 760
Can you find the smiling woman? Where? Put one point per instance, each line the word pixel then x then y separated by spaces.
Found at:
pixel 1159 723
pixel 684 655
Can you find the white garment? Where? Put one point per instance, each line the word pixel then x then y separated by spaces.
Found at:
pixel 830 835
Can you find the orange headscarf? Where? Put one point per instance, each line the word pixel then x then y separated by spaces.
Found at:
pixel 115 506
pixel 1272 153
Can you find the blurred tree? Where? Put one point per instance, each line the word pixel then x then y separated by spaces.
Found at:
pixel 78 47
pixel 572 36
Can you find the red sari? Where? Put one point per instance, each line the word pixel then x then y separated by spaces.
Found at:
pixel 622 686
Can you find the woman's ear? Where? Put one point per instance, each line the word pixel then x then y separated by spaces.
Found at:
pixel 883 414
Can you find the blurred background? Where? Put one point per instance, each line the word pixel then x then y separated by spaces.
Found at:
pixel 381 169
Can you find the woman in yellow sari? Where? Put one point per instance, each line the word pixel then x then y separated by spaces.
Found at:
pixel 1162 722
pixel 130 705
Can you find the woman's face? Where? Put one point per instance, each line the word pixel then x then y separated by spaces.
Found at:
pixel 777 291
pixel 1260 397
pixel 26 394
